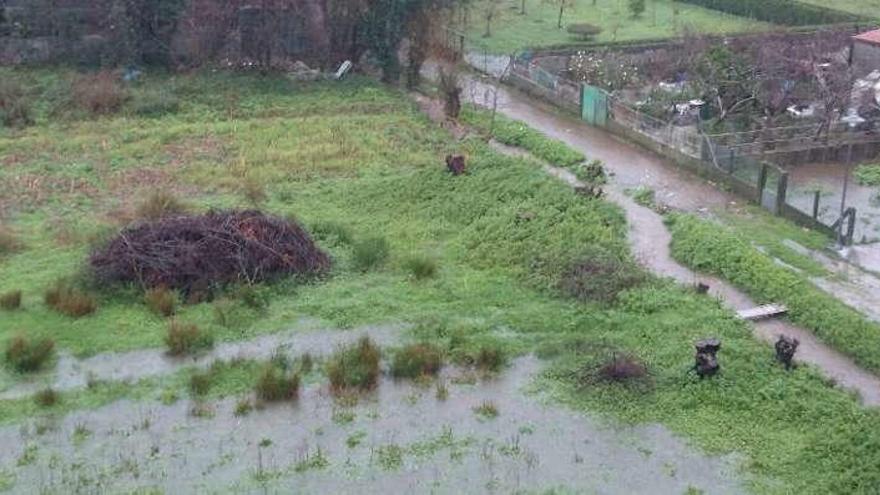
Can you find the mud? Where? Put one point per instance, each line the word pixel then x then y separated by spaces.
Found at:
pixel 308 337
pixel 401 439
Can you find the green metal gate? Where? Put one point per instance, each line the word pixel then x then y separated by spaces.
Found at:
pixel 594 105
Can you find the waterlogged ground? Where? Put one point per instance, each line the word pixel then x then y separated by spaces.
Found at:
pixel 402 438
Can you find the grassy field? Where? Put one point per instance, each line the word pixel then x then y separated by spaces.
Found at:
pixel 862 7
pixel 503 239
pixel 511 31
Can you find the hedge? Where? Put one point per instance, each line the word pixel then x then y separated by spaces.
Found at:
pixel 709 247
pixel 784 12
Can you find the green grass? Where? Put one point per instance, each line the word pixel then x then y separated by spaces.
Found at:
pixel 868 175
pixel 860 7
pixel 709 247
pixel 358 160
pixel 513 32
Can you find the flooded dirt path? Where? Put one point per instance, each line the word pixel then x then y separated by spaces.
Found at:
pixel 400 439
pixel 650 241
pixel 307 337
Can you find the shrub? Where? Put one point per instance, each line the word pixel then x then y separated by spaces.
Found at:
pixel 46 397
pixel 25 355
pixel 370 253
pixel 9 243
pixel 159 204
pixel 416 360
pixel 156 104
pixel 275 384
pixel 15 109
pixel 10 300
pixel 583 31
pixel 332 233
pixel 98 93
pixel 355 366
pixel 186 338
pixel 69 300
pixel 421 267
pixel 600 276
pixel 161 301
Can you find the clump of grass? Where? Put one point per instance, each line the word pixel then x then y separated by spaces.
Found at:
pixel 487 410
pixel 355 367
pixel 253 190
pixel 332 233
pixel 415 360
pixel 99 93
pixel 306 363
pixel 69 300
pixel 622 368
pixel 252 297
pixel 10 300
pixel 161 301
pixel 421 267
pixel 155 103
pixel 200 383
pixel 15 107
pixel 243 407
pixel 490 358
pixel 186 338
pixel 9 242
pixel 159 203
pixel 370 253
pixel 275 384
pixel 25 355
pixel 441 392
pixel 601 276
pixel 46 397
pixel 644 196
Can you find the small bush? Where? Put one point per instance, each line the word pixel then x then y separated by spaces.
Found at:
pixel 10 300
pixel 70 301
pixel 355 366
pixel 275 384
pixel 332 233
pixel 46 398
pixel 161 301
pixel 156 104
pixel 186 338
pixel 98 94
pixel 421 267
pixel 370 253
pixel 15 108
pixel 9 243
pixel 159 204
pixel 416 360
pixel 601 276
pixel 25 355
pixel 584 31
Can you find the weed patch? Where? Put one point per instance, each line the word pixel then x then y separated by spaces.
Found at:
pixel 275 384
pixel 487 410
pixel 370 253
pixel 161 301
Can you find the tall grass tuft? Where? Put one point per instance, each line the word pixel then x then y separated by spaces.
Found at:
pixel 158 204
pixel 10 300
pixel 355 367
pixel 69 300
pixel 161 301
pixel 276 384
pixel 416 360
pixel 25 355
pixel 186 338
pixel 370 253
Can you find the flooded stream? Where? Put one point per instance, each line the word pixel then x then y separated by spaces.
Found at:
pixel 401 439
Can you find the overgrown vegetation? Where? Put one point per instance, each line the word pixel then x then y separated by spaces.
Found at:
pixel 370 253
pixel 161 301
pixel 186 338
pixel 868 175
pixel 27 355
pixel 416 360
pixel 355 366
pixel 276 383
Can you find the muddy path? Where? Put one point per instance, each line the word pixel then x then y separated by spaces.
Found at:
pixel 650 240
pixel 402 438
pixel 308 336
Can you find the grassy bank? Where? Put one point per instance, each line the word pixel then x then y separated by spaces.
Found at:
pixel 712 248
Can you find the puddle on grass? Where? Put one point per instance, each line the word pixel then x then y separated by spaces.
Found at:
pixel 400 439
pixel 72 373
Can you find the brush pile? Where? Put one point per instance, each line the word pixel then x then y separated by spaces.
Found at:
pixel 199 252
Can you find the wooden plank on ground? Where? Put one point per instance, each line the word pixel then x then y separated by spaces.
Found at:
pixel 762 312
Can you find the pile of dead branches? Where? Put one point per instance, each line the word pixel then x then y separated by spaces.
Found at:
pixel 200 252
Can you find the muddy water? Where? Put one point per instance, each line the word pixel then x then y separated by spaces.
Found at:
pixel 401 439
pixel 309 337
pixel 650 241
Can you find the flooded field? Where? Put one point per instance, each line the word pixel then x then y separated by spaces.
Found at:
pixel 485 436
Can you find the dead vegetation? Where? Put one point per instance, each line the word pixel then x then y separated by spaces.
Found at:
pixel 616 367
pixel 186 338
pixel 159 204
pixel 190 253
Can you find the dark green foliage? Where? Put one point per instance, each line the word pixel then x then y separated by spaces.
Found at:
pixel 784 12
pixel 600 276
pixel 583 31
pixel 46 397
pixel 355 366
pixel 332 233
pixel 161 301
pixel 370 253
pixel 26 355
pixel 15 108
pixel 277 384
pixel 709 247
pixel 417 360
pixel 200 383
pixel 184 338
pixel 421 267
pixel 10 300
pixel 68 300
